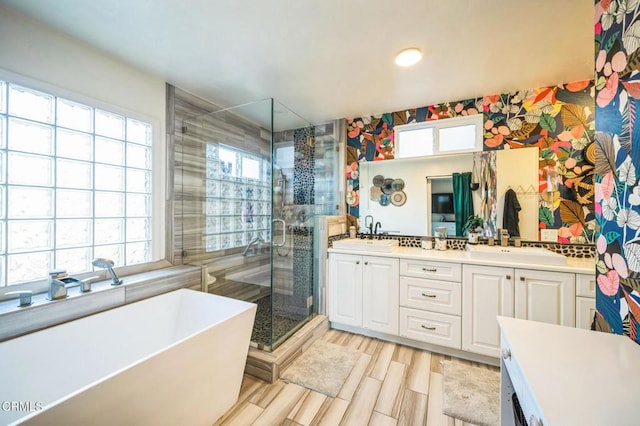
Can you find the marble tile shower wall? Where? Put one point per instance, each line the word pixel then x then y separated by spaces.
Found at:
pixel 188 146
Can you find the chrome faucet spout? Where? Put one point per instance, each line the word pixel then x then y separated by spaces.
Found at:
pixel 57 287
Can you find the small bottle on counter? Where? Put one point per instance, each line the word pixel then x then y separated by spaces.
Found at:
pixel 352 231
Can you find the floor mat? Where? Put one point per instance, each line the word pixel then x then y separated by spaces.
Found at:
pixel 323 367
pixel 471 394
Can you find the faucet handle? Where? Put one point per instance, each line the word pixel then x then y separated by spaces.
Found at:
pixel 25 297
pixel 85 285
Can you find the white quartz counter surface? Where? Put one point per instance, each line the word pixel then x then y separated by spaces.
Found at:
pixel 576 377
pixel 574 265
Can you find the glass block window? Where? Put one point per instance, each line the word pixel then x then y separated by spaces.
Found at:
pixel 75 184
pixel 238 198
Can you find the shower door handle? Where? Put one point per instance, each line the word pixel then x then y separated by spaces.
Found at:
pixel 284 232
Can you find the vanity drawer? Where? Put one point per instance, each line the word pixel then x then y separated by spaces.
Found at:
pixel 429 269
pixel 438 296
pixel 430 327
pixel 586 285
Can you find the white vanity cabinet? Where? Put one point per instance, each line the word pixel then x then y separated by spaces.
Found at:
pixel 430 302
pixel 545 296
pixel 585 300
pixel 449 302
pixel 364 291
pixel 487 291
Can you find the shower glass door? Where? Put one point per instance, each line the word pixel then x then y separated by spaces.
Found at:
pixel 292 223
pixel 247 207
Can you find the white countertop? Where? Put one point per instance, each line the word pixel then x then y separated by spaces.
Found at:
pixel 574 265
pixel 577 377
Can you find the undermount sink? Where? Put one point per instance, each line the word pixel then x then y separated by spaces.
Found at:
pixel 516 254
pixel 385 246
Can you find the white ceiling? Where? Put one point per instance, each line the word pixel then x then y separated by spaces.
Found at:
pixel 327 59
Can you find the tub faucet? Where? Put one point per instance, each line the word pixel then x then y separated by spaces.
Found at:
pixel 258 242
pixel 57 288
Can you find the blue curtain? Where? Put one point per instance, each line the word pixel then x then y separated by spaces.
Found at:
pixel 462 201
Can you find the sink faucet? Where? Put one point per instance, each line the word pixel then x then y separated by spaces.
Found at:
pixel 368 223
pixel 258 241
pixel 57 288
pixel 378 225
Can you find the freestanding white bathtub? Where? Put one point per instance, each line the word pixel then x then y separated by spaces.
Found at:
pixel 177 358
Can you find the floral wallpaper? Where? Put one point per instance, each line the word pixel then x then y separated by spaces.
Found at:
pixel 558 121
pixel 617 187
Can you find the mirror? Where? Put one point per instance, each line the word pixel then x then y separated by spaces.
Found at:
pixel 428 188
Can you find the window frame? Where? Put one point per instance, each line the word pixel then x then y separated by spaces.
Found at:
pixel 159 184
pixel 437 125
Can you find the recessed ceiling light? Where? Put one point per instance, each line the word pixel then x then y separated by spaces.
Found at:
pixel 408 57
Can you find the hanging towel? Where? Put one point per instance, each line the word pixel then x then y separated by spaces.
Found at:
pixel 510 219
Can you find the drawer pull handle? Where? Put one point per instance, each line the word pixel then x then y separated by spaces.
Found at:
pixel 427 328
pixel 429 270
pixel 428 295
pixel 506 353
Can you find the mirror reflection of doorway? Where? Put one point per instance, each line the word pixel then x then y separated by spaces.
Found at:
pixel 440 204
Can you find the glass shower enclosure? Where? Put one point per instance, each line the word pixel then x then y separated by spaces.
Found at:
pixel 248 211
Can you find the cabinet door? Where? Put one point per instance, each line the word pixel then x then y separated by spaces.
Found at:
pixel 380 294
pixel 585 311
pixel 545 296
pixel 486 293
pixel 345 289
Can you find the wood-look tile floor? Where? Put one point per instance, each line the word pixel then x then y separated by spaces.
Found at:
pixel 390 384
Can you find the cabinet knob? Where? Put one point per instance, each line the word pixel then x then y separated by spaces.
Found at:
pixel 506 353
pixel 427 328
pixel 366 263
pixel 429 270
pixel 523 279
pixel 357 262
pixel 508 277
pixel 428 295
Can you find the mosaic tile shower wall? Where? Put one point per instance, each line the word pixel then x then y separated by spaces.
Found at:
pixel 617 187
pixel 558 121
pixel 303 195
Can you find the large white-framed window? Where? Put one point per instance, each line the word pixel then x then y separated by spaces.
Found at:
pixel 439 137
pixel 76 182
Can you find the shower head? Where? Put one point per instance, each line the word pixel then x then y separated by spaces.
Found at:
pixel 103 263
pixel 107 264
